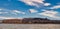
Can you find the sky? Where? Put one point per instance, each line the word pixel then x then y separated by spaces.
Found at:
pixel 30 9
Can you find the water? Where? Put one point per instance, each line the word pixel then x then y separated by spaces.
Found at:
pixel 29 26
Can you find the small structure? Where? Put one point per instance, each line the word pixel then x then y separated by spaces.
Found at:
pixel 12 21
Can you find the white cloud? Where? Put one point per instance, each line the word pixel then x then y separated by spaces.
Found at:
pixel 49 13
pixel 6 18
pixel 35 2
pixel 1 18
pixel 3 12
pixel 0 9
pixel 32 11
pixel 19 12
pixel 55 7
pixel 47 4
pixel 32 2
pixel 10 12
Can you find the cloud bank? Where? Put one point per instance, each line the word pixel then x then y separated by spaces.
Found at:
pixel 48 13
pixel 35 2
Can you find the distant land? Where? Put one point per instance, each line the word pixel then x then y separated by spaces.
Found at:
pixel 29 21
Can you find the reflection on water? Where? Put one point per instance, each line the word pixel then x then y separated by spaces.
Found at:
pixel 29 26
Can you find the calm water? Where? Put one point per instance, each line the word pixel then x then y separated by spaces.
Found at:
pixel 29 26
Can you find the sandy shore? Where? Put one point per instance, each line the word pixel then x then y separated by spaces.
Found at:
pixel 29 26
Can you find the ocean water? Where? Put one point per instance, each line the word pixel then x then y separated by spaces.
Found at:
pixel 29 26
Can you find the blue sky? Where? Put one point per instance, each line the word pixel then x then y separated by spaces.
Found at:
pixel 30 9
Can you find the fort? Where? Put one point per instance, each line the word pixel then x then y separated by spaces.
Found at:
pixel 30 21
